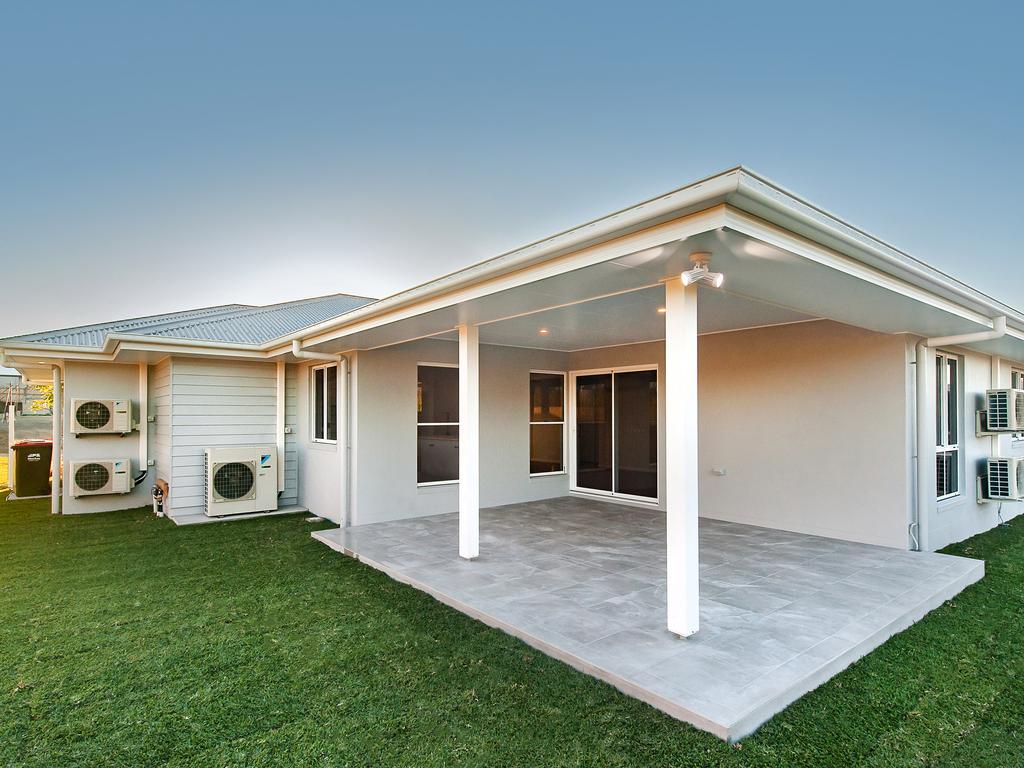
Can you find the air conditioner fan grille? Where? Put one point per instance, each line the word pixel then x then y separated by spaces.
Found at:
pixel 999 479
pixel 92 415
pixel 233 480
pixel 92 477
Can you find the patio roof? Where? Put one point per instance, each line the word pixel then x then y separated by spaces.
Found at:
pixel 776 248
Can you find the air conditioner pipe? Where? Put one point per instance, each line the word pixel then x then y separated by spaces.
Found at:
pixel 344 405
pixel 143 423
pixel 925 418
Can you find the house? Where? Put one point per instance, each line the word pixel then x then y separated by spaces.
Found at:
pixel 723 414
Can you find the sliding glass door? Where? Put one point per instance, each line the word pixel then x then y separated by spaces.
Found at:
pixel 616 423
pixel 594 432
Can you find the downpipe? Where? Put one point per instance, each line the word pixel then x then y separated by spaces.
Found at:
pixel 925 423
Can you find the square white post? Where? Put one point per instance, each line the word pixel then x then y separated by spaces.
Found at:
pixel 469 441
pixel 926 441
pixel 681 492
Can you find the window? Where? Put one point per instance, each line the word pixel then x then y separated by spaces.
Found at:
pixel 948 397
pixel 547 423
pixel 437 424
pixel 1017 379
pixel 325 403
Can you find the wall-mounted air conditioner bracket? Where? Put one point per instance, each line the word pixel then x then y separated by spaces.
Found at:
pixel 981 427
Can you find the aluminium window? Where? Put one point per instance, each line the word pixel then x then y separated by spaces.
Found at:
pixel 547 423
pixel 437 424
pixel 324 383
pixel 1017 382
pixel 948 396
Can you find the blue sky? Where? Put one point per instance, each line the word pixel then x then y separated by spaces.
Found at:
pixel 158 157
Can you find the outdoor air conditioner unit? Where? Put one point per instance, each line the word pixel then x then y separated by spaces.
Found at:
pixel 101 476
pixel 1006 479
pixel 1004 410
pixel 241 479
pixel 93 416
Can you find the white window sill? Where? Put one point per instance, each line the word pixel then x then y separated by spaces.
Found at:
pixel 548 474
pixel 437 483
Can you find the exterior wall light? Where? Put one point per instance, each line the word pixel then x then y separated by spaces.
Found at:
pixel 701 272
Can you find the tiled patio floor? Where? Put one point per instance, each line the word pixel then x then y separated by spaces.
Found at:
pixel 584 581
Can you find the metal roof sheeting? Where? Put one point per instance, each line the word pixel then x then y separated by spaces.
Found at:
pixel 228 323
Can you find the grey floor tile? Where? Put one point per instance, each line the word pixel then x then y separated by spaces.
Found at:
pixel 586 581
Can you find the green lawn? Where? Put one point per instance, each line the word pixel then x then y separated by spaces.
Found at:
pixel 127 641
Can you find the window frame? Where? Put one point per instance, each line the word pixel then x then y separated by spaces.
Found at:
pixel 1016 382
pixel 563 423
pixel 312 404
pixel 943 424
pixel 419 424
pixel 574 487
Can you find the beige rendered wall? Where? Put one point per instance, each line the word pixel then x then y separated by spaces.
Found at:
pixel 318 464
pixel 384 406
pixel 809 424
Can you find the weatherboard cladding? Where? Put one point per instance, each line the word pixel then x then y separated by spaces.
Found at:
pixel 230 323
pixel 215 403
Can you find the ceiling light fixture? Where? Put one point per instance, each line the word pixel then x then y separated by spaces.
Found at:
pixel 701 272
pixel 662 310
pixel 543 331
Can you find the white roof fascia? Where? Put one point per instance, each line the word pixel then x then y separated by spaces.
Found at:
pixel 756 228
pixel 760 190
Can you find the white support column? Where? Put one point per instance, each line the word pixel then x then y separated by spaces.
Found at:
pixel 681 503
pixel 344 444
pixel 926 438
pixel 58 416
pixel 469 441
pixel 279 412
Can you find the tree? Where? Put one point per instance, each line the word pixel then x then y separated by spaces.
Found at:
pixel 44 398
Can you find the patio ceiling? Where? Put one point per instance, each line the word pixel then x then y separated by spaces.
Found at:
pixel 772 277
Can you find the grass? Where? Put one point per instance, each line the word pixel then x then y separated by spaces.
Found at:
pixel 127 641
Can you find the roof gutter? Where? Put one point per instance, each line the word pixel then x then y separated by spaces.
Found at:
pixel 924 362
